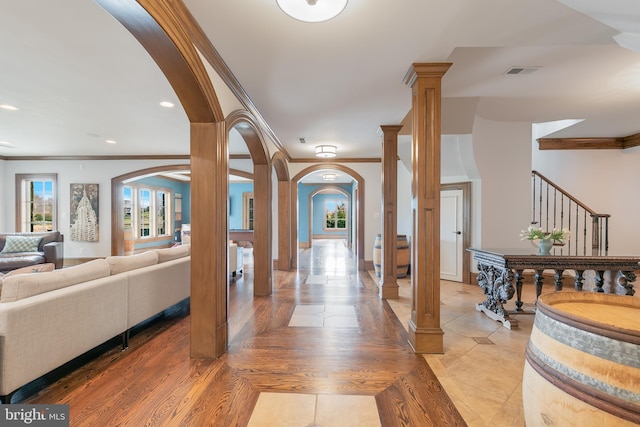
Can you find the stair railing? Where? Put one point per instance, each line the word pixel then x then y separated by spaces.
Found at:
pixel 553 207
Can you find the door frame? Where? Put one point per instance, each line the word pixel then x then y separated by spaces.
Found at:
pixel 466 225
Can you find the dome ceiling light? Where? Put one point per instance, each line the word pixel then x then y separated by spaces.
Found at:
pixel 312 10
pixel 326 150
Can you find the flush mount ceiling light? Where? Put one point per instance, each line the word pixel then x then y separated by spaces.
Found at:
pixel 326 151
pixel 329 176
pixel 167 104
pixel 312 10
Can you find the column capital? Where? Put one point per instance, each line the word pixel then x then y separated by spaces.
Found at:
pixel 426 70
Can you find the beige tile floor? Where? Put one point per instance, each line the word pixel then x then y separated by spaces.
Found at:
pixel 481 368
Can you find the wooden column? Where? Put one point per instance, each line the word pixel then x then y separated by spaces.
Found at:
pixel 284 236
pixel 425 334
pixel 388 279
pixel 262 259
pixel 209 243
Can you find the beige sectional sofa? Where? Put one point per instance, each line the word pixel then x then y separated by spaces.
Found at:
pixel 50 318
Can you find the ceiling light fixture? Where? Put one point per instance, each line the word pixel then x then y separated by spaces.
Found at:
pixel 326 151
pixel 110 141
pixel 9 107
pixel 329 176
pixel 312 10
pixel 167 104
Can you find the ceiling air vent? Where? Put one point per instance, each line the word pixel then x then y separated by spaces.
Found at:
pixel 522 70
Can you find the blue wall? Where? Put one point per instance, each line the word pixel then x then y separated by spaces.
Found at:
pixel 304 191
pixel 235 202
pixel 318 215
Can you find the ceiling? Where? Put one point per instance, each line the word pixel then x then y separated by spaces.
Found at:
pixel 78 78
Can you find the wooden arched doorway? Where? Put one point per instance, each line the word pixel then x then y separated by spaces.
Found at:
pixel 359 208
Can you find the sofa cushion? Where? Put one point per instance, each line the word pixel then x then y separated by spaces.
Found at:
pixel 11 261
pixel 22 286
pixel 38 268
pixel 120 264
pixel 16 244
pixel 169 254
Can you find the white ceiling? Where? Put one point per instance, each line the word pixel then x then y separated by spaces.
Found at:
pixel 79 78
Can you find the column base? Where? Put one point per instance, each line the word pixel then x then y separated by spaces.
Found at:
pixel 426 340
pixel 389 291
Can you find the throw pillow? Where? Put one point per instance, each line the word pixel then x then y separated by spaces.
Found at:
pixel 16 244
pixel 38 268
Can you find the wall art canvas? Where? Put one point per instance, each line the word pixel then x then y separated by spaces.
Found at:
pixel 84 212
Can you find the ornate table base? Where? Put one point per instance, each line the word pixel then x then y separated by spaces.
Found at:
pixel 498 269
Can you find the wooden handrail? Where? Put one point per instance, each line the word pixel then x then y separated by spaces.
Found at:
pixel 559 203
pixel 569 196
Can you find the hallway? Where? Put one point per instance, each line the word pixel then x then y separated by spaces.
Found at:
pixel 323 350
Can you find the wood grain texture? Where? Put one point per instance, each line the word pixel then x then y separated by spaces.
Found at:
pixel 155 383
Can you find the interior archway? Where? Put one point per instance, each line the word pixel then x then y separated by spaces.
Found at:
pixel 359 208
pixel 246 125
pixel 332 189
pixel 279 162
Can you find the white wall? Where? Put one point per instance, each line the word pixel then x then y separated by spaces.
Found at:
pixel 73 171
pixel 502 154
pixel 607 181
pixel 3 196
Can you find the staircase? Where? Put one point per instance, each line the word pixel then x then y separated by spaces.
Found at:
pixel 553 207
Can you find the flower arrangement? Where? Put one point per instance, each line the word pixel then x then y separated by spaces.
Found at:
pixel 537 233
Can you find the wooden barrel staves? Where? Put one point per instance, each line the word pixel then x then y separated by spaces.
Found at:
pixel 402 259
pixel 582 364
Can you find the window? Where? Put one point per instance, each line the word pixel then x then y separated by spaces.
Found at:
pixel 247 211
pixel 36 207
pixel 335 215
pixel 146 212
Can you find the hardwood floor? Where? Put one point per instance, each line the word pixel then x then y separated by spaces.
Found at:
pixel 323 333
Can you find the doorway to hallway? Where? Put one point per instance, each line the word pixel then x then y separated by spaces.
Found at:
pixel 328 256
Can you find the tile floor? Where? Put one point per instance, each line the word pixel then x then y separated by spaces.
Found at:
pixel 481 368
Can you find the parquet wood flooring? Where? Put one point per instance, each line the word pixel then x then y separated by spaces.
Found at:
pixel 154 383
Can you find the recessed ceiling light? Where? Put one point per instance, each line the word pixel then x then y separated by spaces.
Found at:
pixel 167 104
pixel 110 141
pixel 6 144
pixel 8 107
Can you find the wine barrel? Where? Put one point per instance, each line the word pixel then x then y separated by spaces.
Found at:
pixel 402 259
pixel 582 363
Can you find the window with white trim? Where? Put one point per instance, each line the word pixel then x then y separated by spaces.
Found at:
pixel 146 212
pixel 335 215
pixel 36 207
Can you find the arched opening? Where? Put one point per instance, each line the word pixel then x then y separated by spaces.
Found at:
pixel 244 123
pixel 281 170
pixel 358 209
pixel 337 221
pixel 118 238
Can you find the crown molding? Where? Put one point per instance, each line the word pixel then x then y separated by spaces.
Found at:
pixel 604 143
pixel 119 157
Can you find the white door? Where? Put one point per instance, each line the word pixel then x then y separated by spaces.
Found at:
pixel 451 250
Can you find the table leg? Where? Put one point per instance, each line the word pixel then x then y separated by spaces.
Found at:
pixel 497 285
pixel 599 279
pixel 578 280
pixel 626 280
pixel 558 279
pixel 539 279
pixel 518 289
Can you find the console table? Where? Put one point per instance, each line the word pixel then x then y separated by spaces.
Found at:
pixel 500 269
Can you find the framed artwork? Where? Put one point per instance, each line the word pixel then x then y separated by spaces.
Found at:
pixel 83 214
